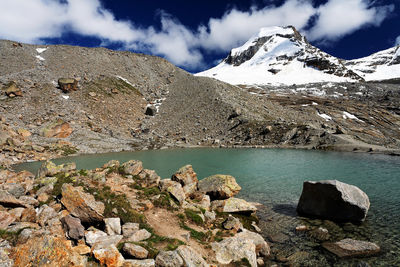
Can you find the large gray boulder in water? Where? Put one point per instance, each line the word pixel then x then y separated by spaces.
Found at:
pixel 333 200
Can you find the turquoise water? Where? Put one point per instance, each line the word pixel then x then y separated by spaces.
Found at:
pixel 274 177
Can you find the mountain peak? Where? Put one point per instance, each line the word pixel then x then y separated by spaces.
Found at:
pixel 280 55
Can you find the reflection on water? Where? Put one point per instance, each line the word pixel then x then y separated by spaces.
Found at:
pixel 274 177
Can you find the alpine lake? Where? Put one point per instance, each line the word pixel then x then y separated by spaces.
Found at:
pixel 274 178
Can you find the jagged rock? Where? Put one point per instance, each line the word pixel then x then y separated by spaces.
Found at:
pixel 139 235
pixel 68 84
pixel 82 249
pixel 58 252
pixel 43 197
pixel 73 227
pixel 219 186
pixel 262 247
pixel 16 213
pixel 28 215
pixel 174 188
pixel 191 257
pixel 92 236
pixel 29 201
pixel 187 178
pixel 106 241
pixel 108 255
pixel 149 178
pixel 234 249
pixel 151 111
pixel 255 226
pixel 17 184
pixel 8 200
pixel 132 167
pixel 57 129
pixel 113 226
pixel 45 214
pixel 12 90
pixel 48 168
pixel 24 133
pixel 5 219
pixel 232 223
pixel 82 205
pixel 128 229
pixel 135 251
pixel 352 248
pixel 169 259
pixel 5 249
pixel 233 205
pixel 333 200
pixel 139 263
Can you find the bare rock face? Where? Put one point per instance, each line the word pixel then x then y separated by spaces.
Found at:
pixel 68 84
pixel 233 205
pixel 73 227
pixel 135 251
pixel 169 259
pixel 333 200
pixel 219 186
pixel 8 200
pixel 108 256
pixel 187 178
pixel 132 167
pixel 82 205
pixel 5 219
pixel 191 257
pixel 58 252
pixel 352 248
pixel 113 226
pixel 234 249
pixel 139 263
pixel 174 188
pixel 57 129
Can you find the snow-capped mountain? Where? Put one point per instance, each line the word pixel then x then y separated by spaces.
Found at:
pixel 280 55
pixel 379 66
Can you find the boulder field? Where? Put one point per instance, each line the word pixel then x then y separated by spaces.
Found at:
pixel 114 216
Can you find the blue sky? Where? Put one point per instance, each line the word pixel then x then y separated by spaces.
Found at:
pixel 196 34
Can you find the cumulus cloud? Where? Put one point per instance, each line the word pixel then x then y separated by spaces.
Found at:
pixel 338 18
pixel 397 42
pixel 33 20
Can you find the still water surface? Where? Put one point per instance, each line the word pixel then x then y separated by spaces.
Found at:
pixel 274 177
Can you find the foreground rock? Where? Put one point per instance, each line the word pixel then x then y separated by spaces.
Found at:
pixel 81 204
pixel 169 259
pixel 219 186
pixel 233 205
pixel 68 84
pixel 187 178
pixel 191 257
pixel 352 248
pixel 333 200
pixel 47 251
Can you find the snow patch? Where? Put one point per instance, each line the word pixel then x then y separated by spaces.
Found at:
pixel 40 58
pixel 347 115
pixel 41 50
pixel 325 116
pixel 65 96
pixel 125 80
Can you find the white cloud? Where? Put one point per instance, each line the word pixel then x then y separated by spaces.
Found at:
pixel 32 20
pixel 236 27
pixel 397 42
pixel 338 18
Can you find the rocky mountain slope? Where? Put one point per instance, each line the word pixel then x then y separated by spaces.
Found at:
pixel 108 111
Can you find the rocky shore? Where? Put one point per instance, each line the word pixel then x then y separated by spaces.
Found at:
pixel 124 215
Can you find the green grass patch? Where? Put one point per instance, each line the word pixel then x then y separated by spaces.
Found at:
pixel 119 202
pixel 83 172
pixel 11 237
pixel 68 150
pixel 194 217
